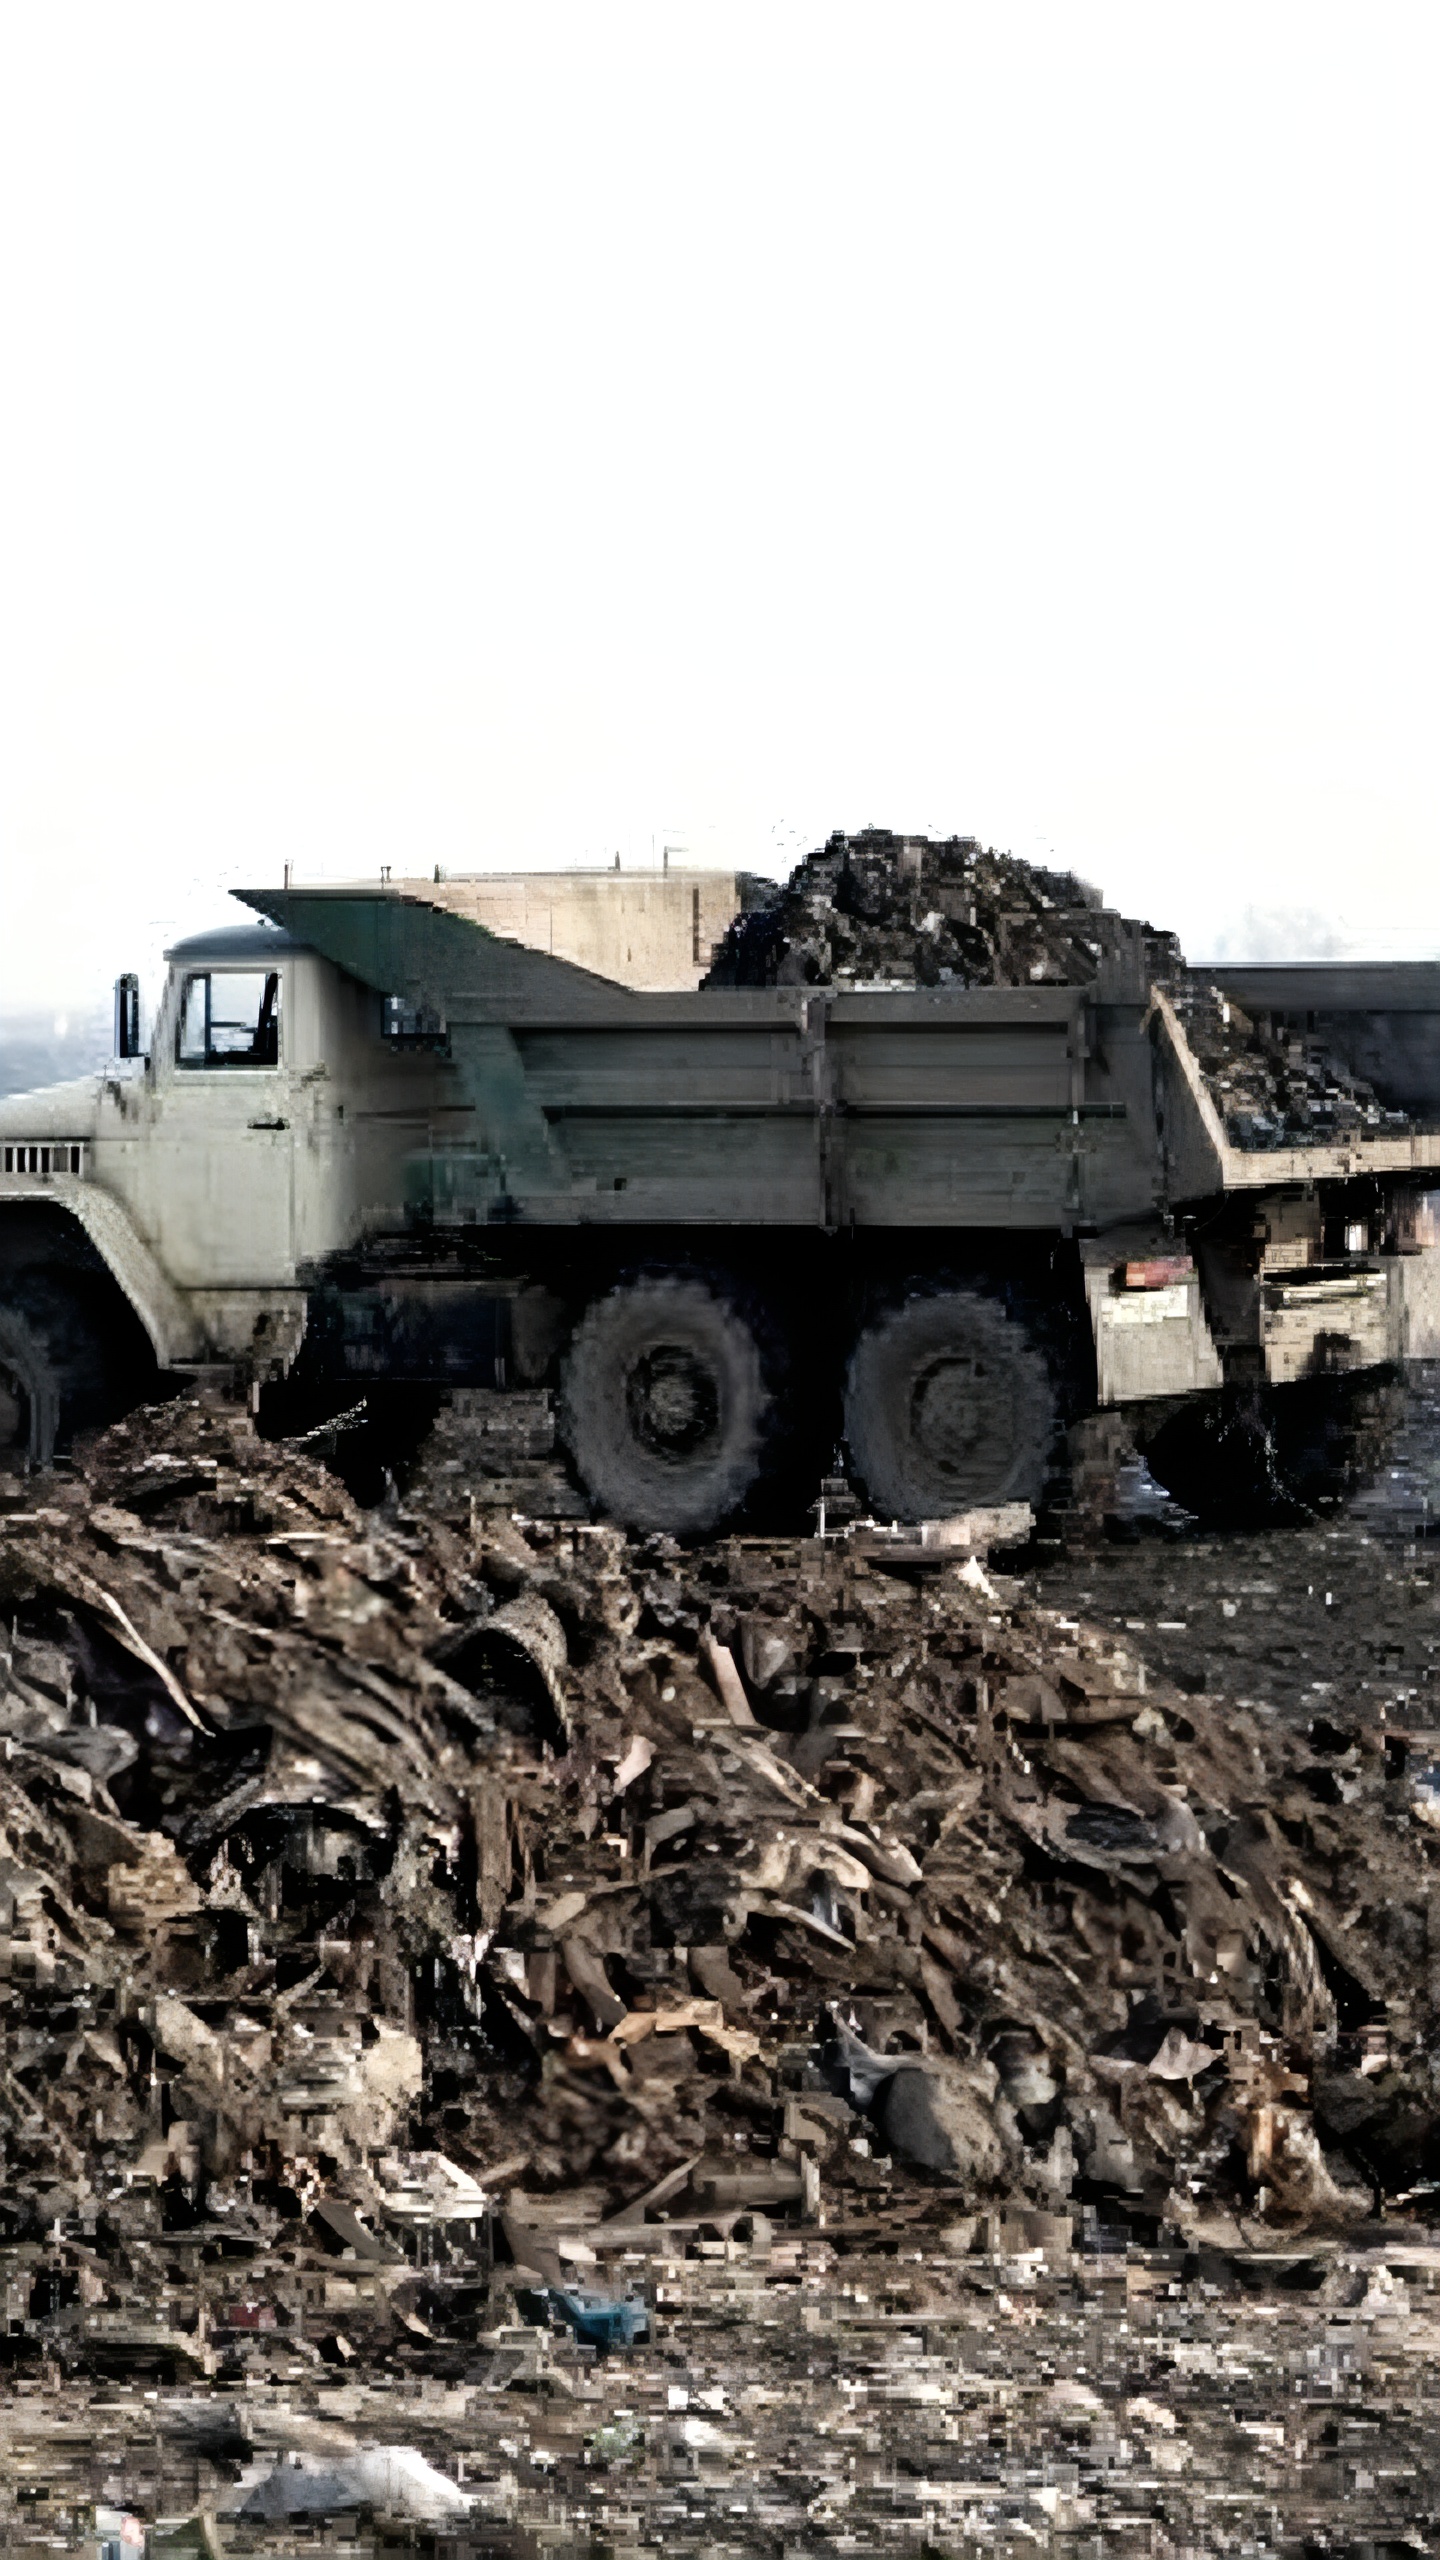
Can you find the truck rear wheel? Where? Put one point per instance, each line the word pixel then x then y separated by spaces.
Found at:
pixel 666 1406
pixel 948 1404
pixel 1263 1457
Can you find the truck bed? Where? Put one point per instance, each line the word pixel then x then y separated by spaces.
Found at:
pixel 1041 1107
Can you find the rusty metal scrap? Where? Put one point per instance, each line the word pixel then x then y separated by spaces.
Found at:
pixel 408 1921
pixel 530 1847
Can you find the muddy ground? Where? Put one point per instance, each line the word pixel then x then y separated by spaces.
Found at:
pixel 1337 1615
pixel 829 2401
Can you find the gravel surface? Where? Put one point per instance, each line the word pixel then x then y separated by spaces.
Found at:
pixel 827 2401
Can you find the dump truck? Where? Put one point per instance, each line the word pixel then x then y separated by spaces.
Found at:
pixel 376 1149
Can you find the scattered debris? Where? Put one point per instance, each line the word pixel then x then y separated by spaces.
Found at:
pixel 354 1859
pixel 393 2480
pixel 463 1923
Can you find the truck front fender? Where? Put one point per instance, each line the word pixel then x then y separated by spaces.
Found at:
pixel 173 1328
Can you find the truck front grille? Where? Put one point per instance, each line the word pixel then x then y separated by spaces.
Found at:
pixel 43 1155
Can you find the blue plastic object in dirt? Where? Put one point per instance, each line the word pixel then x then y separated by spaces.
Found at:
pixel 593 2319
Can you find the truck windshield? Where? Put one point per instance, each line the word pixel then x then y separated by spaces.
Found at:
pixel 230 1018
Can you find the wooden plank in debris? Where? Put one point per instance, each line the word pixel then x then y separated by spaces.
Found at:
pixel 729 1687
pixel 490 1812
pixel 528 2250
pixel 654 2197
pixel 586 1969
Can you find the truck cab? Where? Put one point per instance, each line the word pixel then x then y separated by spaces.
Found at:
pixel 164 1214
pixel 206 1163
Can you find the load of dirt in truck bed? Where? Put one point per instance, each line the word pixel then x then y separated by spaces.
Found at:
pixel 882 910
pixel 357 1873
pixel 1277 1091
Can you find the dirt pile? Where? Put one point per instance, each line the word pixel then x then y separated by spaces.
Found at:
pixel 881 910
pixel 353 1874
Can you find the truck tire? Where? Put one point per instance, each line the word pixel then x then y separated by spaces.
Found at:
pixel 1269 1457
pixel 665 1405
pixel 948 1404
pixel 1216 1457
pixel 52 1373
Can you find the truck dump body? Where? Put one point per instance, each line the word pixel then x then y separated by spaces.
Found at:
pixel 1008 1107
pixel 1030 1107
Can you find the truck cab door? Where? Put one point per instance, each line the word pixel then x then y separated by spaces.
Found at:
pixel 224 1129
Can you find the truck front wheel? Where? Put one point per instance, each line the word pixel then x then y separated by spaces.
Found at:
pixel 666 1407
pixel 31 1392
pixel 948 1405
pixel 60 1371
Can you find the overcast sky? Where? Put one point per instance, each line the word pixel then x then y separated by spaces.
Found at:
pixel 513 435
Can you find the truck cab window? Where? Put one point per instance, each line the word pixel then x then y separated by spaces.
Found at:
pixel 230 1018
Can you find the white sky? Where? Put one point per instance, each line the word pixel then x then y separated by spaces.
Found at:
pixel 499 435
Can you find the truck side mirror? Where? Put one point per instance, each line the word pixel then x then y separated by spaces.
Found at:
pixel 127 1016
